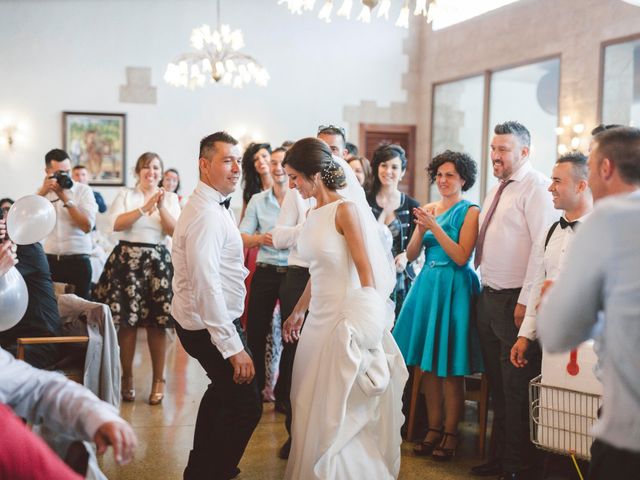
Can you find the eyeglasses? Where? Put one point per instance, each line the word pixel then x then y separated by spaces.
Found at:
pixel 331 129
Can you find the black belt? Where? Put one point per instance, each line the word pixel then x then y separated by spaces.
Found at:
pixel 275 268
pixel 298 268
pixel 138 244
pixel 75 256
pixel 486 288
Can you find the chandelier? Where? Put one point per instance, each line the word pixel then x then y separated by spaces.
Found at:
pixel 216 58
pixel 439 13
pixel 426 8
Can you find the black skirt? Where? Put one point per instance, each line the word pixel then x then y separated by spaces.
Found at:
pixel 136 285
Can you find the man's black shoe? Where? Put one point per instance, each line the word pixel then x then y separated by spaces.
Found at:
pixel 493 467
pixel 285 449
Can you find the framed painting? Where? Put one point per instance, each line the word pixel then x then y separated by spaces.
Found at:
pixel 97 141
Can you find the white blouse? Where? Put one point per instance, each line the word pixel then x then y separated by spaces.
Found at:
pixel 147 229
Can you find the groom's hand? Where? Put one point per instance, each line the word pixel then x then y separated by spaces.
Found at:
pixel 243 369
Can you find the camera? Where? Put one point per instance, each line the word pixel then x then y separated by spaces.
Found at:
pixel 63 179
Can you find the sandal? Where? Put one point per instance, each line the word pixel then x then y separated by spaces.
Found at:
pixel 157 392
pixel 442 454
pixel 126 389
pixel 426 448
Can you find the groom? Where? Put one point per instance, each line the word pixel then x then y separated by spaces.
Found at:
pixel 208 299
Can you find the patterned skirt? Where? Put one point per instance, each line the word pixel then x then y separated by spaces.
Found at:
pixel 136 285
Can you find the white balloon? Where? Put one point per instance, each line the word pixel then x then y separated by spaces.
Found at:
pixel 13 299
pixel 30 220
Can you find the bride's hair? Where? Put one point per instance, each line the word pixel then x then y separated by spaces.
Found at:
pixel 310 156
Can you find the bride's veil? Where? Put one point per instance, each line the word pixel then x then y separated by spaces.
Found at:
pixel 376 236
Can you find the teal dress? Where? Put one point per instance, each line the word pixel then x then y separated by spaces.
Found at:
pixel 435 329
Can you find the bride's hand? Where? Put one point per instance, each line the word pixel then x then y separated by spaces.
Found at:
pixel 293 325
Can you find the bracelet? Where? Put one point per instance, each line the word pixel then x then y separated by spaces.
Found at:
pixel 141 211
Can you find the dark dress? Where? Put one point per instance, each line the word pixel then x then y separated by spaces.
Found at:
pixel 401 228
pixel 136 280
pixel 136 284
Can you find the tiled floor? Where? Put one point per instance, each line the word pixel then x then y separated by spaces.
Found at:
pixel 165 432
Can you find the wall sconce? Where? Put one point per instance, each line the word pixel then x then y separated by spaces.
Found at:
pixel 10 134
pixel 569 135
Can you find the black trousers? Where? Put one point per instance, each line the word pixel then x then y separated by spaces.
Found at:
pixel 609 462
pixel 228 413
pixel 509 386
pixel 73 269
pixel 267 288
pixel 294 284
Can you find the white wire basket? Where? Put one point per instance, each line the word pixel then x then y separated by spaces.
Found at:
pixel 561 419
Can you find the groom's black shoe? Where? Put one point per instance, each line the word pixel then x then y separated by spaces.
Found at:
pixel 285 449
pixel 491 468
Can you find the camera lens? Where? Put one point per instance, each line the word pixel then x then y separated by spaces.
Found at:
pixel 64 180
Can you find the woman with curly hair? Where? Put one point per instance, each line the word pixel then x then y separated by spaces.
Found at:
pixel 434 329
pixel 136 280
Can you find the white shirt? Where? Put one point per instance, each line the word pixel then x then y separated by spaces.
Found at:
pixel 209 272
pixel 524 213
pixel 148 228
pixel 550 261
pixel 50 398
pixel 601 274
pixel 67 238
pixel 293 213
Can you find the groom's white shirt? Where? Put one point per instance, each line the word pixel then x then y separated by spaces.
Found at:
pixel 209 272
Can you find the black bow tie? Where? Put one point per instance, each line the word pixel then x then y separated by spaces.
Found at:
pixel 227 202
pixel 564 223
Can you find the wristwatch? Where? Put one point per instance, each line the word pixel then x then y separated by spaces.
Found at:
pixel 70 203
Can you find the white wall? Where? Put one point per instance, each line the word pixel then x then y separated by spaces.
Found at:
pixel 58 55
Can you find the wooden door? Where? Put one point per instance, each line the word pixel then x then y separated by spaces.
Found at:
pixel 374 135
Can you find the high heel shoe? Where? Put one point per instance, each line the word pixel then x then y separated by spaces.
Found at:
pixel 157 392
pixel 426 448
pixel 126 389
pixel 442 453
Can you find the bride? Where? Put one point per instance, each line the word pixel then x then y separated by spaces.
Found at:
pixel 348 373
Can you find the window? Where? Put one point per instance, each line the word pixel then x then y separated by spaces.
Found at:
pixel 457 124
pixel 528 94
pixel 621 84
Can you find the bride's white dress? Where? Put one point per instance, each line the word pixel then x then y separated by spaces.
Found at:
pixel 348 373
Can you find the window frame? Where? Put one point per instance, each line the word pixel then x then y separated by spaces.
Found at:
pixel 486 113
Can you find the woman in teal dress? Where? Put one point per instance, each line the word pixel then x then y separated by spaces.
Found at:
pixel 434 330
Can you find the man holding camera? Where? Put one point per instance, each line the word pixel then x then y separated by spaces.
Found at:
pixel 68 247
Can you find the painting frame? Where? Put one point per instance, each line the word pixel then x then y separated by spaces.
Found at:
pixel 97 140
